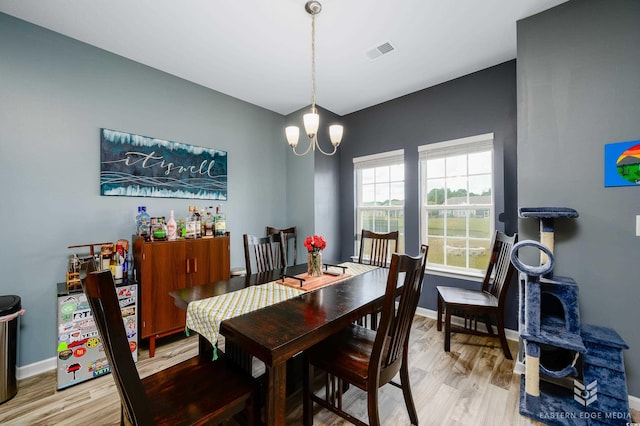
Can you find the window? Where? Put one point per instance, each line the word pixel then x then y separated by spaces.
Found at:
pixel 457 204
pixel 379 191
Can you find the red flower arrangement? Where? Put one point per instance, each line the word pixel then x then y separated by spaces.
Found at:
pixel 315 243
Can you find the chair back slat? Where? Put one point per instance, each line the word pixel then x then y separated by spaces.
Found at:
pixel 378 247
pixel 267 252
pixel 290 242
pixel 103 300
pixel 500 269
pixel 392 336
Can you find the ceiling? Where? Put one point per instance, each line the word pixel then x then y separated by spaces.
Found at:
pixel 260 51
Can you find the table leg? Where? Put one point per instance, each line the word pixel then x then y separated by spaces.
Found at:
pixel 275 404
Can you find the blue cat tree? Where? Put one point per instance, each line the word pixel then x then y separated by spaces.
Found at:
pixel 574 373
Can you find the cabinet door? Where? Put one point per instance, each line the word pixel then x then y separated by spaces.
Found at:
pixel 208 260
pixel 198 260
pixel 163 270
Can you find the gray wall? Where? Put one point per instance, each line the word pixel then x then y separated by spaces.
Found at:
pixel 55 95
pixel 578 83
pixel 479 103
pixel 313 185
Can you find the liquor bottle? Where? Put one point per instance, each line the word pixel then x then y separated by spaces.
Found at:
pixel 118 270
pixel 113 261
pixel 182 229
pixel 105 255
pixel 209 223
pixel 138 220
pixel 159 229
pixel 220 222
pixel 190 224
pixel 152 228
pixel 172 228
pixel 125 265
pixel 198 222
pixel 130 269
pixel 145 224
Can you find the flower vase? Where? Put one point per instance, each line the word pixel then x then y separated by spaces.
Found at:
pixel 314 264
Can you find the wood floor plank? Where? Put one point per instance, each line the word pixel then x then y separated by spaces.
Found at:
pixel 473 385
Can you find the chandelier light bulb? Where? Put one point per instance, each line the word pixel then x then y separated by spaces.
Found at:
pixel 293 133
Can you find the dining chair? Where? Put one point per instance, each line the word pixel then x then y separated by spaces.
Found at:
pixel 365 358
pixel 267 252
pixel 376 248
pixel 195 391
pixel 484 304
pixel 290 239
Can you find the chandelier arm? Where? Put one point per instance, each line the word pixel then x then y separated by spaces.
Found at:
pixel 311 144
pixel 335 147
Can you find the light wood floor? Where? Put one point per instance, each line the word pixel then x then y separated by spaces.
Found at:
pixel 471 385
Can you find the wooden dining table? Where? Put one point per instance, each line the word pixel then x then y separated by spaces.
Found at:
pixel 276 333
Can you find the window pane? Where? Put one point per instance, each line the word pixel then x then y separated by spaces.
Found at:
pixel 479 224
pixel 382 194
pixel 480 162
pixel 435 223
pixel 368 195
pixel 456 252
pixel 457 191
pixel 479 254
pixel 435 168
pixel 457 165
pixel 435 191
pixel 381 223
pixel 367 219
pixel 456 223
pixel 480 185
pixel 436 251
pixel 368 175
pixel 382 174
pixel 397 193
pixel 396 172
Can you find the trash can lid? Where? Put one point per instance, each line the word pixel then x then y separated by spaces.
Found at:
pixel 9 305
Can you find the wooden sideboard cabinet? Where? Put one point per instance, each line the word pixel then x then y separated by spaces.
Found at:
pixel 163 266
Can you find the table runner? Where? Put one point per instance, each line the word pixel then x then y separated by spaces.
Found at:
pixel 204 316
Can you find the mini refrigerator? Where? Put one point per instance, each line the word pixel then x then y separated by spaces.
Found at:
pixel 80 355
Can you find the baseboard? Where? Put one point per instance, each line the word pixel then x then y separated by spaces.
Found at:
pixel 36 368
pixel 634 403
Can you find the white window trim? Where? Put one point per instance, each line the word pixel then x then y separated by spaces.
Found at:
pixel 486 139
pixel 371 161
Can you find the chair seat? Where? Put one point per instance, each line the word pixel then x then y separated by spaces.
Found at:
pixel 346 354
pixel 179 396
pixel 460 296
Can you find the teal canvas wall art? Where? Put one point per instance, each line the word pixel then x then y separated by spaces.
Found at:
pixel 141 166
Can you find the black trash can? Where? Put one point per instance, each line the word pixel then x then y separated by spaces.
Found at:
pixel 10 310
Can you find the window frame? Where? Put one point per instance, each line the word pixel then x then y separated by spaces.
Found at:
pixel 478 143
pixel 389 158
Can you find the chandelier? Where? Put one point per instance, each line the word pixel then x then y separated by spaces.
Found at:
pixel 312 119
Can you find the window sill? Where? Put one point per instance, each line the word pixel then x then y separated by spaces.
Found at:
pixel 468 276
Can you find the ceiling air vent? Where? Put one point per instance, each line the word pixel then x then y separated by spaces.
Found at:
pixel 378 51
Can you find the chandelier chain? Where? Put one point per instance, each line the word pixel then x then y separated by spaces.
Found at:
pixel 311 119
pixel 313 61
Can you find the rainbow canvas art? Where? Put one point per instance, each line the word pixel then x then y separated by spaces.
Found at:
pixel 622 164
